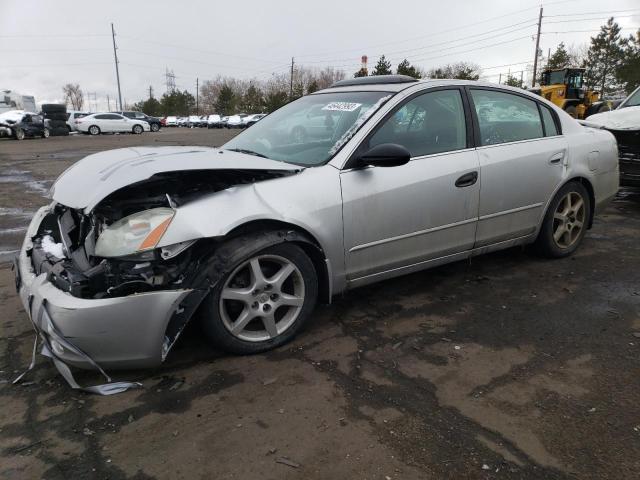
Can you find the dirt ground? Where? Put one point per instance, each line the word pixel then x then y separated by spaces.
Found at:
pixel 508 366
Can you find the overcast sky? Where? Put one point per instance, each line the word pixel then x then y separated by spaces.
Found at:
pixel 45 44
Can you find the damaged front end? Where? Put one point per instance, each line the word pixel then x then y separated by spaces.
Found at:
pixel 97 282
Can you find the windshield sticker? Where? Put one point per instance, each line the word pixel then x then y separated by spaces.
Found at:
pixel 356 126
pixel 342 106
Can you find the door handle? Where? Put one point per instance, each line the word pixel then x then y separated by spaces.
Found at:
pixel 467 180
pixel 557 158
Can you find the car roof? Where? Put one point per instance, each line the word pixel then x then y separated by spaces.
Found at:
pixel 425 83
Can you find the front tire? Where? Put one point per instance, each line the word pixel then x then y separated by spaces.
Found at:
pixel 45 133
pixel 263 301
pixel 565 222
pixel 571 110
pixel 137 129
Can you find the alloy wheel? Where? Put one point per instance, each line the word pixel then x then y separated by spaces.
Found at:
pixel 569 220
pixel 262 298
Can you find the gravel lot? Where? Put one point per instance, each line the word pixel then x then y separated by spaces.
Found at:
pixel 508 366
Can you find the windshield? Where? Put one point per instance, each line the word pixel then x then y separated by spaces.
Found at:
pixel 310 130
pixel 633 100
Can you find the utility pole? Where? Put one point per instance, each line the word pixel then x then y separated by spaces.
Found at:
pixel 150 91
pixel 291 81
pixel 535 58
pixel 108 102
pixel 115 56
pixel 197 96
pixel 500 79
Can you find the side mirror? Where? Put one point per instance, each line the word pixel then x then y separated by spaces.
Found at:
pixel 386 155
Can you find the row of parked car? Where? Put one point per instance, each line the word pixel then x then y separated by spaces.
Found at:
pixel 241 120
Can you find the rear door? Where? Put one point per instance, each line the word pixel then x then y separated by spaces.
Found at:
pixel 523 158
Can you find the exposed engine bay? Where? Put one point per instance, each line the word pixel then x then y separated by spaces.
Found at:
pixel 65 245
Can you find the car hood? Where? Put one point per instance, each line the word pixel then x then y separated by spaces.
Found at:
pixel 624 119
pixel 90 180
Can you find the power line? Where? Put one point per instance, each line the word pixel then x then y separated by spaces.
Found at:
pixel 591 13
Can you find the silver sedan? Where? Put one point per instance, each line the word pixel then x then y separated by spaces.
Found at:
pixel 364 181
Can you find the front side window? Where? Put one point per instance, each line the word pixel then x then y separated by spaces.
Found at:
pixel 433 122
pixel 504 117
pixel 311 130
pixel 632 101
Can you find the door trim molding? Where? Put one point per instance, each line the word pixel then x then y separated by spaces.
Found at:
pixel 513 210
pixel 410 235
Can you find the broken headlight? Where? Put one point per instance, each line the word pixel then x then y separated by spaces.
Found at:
pixel 133 234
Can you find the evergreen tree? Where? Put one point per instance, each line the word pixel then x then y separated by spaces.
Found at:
pixel 405 68
pixel 275 99
pixel 629 72
pixel 460 71
pixel 604 58
pixel 313 87
pixel 383 67
pixel 226 101
pixel 513 81
pixel 177 103
pixel 252 100
pixel 559 59
pixel 361 73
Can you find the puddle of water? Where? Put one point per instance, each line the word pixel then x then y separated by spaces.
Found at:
pixel 40 187
pixel 8 255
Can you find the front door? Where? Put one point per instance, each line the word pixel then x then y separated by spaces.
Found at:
pixel 400 217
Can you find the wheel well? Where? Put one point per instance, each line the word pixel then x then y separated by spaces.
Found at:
pixel 306 241
pixel 592 198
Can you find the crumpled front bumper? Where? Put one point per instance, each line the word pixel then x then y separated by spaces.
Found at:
pixel 122 332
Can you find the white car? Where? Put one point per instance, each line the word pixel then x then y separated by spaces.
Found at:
pixel 193 121
pixel 98 123
pixel 171 121
pixel 235 121
pixel 73 116
pixel 214 121
pixel 251 119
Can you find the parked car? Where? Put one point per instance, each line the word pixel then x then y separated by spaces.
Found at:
pixel 171 121
pixel 154 122
pixel 624 124
pixel 394 189
pixel 98 123
pixel 251 119
pixel 214 121
pixel 236 121
pixel 193 121
pixel 224 120
pixel 182 121
pixel 19 124
pixel 73 115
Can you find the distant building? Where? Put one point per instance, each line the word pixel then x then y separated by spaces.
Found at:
pixel 11 100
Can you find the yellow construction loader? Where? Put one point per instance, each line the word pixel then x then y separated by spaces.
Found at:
pixel 565 88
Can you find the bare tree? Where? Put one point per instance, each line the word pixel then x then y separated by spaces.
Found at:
pixel 73 96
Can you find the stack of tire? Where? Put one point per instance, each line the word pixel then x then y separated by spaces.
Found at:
pixel 55 116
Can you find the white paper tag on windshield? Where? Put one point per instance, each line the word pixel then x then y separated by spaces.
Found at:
pixel 342 106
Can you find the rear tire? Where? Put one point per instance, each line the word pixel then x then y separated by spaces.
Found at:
pixel 18 134
pixel 155 127
pixel 45 133
pixel 94 130
pixel 565 223
pixel 251 310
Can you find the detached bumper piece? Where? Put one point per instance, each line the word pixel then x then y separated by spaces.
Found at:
pixel 49 350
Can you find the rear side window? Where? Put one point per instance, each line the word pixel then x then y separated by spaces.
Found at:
pixel 433 122
pixel 103 117
pixel 503 117
pixel 550 128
